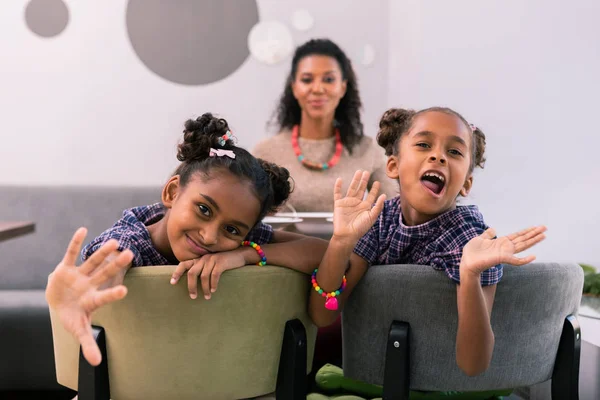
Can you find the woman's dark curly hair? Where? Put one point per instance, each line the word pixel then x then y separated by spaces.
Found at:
pixel 347 113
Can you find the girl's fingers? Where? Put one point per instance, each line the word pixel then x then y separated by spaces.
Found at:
pixel 110 270
pixel 181 269
pixel 337 189
pixel 109 295
pixel 519 261
pixel 378 207
pixel 192 278
pixel 531 232
pixel 372 195
pixel 362 186
pixel 354 184
pixel 90 349
pixel 99 257
pixel 214 279
pixel 205 278
pixel 516 235
pixel 522 246
pixel 74 247
pixel 489 233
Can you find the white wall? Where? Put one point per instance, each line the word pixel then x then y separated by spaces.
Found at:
pixel 526 72
pixel 81 108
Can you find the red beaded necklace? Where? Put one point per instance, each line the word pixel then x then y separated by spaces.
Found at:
pixel 313 165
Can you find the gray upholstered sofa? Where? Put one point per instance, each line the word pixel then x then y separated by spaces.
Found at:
pixel 26 355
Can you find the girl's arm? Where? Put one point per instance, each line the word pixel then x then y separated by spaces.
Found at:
pixel 475 338
pixel 353 216
pixel 291 250
pixel 339 260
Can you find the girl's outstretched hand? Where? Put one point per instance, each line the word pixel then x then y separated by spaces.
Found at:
pixel 483 252
pixel 353 216
pixel 76 292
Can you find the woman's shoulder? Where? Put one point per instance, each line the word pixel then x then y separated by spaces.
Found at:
pixel 366 147
pixel 267 145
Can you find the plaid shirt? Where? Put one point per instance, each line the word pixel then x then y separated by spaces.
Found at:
pixel 438 242
pixel 131 233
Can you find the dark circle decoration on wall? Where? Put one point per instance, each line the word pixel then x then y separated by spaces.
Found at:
pixel 46 18
pixel 191 42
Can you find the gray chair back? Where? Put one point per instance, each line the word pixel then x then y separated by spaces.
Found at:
pixel 529 311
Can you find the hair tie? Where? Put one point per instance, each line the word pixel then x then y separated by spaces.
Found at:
pixel 221 153
pixel 228 136
pixel 473 127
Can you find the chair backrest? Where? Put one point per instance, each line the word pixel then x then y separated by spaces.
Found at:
pixel 529 311
pixel 162 345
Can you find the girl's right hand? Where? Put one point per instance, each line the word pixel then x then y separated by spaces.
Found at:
pixel 76 292
pixel 353 216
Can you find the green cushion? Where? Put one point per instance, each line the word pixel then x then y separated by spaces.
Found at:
pixel 330 379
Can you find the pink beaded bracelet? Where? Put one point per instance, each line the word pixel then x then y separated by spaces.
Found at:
pixel 331 302
pixel 261 253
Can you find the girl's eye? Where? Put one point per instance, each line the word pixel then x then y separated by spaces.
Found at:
pixel 232 230
pixel 204 210
pixel 306 80
pixel 329 79
pixel 423 145
pixel 455 152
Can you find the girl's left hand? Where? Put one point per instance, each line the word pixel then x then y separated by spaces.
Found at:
pixel 483 252
pixel 209 268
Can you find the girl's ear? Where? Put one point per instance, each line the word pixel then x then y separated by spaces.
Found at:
pixel 170 191
pixel 464 192
pixel 391 168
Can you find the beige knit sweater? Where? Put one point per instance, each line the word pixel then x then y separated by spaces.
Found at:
pixel 313 191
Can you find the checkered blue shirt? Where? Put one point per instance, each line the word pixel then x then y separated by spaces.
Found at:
pixel 438 243
pixel 131 233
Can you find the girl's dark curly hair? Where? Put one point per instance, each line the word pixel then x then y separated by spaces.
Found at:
pixel 270 182
pixel 347 113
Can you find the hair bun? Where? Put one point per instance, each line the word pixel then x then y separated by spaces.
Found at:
pixel 280 182
pixel 478 149
pixel 391 126
pixel 200 135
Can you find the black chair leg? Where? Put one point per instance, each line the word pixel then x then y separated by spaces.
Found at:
pixel 396 378
pixel 93 381
pixel 565 376
pixel 291 376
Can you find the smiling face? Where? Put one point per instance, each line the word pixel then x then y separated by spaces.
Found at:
pixel 432 166
pixel 209 214
pixel 318 86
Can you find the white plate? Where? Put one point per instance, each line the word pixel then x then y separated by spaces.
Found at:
pixel 280 220
pixel 307 216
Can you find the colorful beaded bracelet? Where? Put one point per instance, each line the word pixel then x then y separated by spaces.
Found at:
pixel 331 303
pixel 261 253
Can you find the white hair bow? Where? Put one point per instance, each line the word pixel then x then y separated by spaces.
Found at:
pixel 221 153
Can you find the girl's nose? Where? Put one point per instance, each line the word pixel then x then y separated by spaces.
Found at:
pixel 209 235
pixel 434 158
